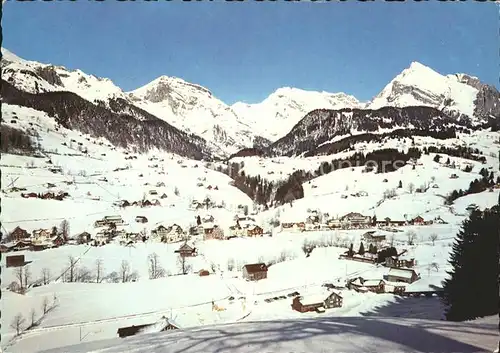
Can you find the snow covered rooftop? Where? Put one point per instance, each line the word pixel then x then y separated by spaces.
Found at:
pixel 371 283
pixel 400 273
pixel 313 298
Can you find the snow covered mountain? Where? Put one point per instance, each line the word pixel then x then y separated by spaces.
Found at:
pixel 278 113
pixel 458 95
pixel 35 77
pixel 194 109
pixel 328 131
pixel 226 129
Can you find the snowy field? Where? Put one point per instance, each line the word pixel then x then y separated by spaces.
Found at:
pixel 96 181
pixel 103 308
pixel 325 334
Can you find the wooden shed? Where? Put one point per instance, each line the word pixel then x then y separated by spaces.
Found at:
pixel 15 261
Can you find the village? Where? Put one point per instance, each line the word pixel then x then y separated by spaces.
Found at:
pixel 205 227
pixel 400 279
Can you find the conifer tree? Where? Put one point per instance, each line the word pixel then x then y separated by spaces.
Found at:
pixel 471 290
pixel 350 252
pixel 361 250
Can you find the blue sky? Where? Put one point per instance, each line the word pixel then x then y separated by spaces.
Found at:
pixel 245 51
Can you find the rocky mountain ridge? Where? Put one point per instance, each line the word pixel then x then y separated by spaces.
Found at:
pixel 282 117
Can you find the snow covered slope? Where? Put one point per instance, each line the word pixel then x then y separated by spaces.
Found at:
pixel 35 77
pixel 350 334
pixel 278 113
pixel 194 109
pixel 456 95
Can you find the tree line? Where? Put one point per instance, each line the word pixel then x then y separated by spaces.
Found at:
pixel 476 186
pixel 267 193
pixel 15 141
pixel 74 272
pixel 473 154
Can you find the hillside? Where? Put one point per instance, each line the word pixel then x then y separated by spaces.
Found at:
pixel 138 131
pixel 321 129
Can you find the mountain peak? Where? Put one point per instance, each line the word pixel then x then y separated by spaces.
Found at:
pixel 419 85
pixel 415 65
pixel 418 72
pixel 160 86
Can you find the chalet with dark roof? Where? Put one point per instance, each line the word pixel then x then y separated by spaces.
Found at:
pixel 255 272
pixel 19 234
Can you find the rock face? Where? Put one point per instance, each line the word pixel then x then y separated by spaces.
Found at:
pixel 49 74
pixel 487 103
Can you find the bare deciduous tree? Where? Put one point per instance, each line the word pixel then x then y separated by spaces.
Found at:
pixel 411 236
pixel 411 188
pixel 113 277
pixel 64 229
pixel 433 237
pixel 19 273
pixel 32 317
pixel 71 272
pixel 17 323
pixel 27 276
pixel 432 266
pixel 183 265
pixel 45 305
pixel 155 268
pixel 84 275
pixel 99 268
pixel 125 271
pixel 389 194
pixel 230 264
pixel 283 256
pixel 45 275
pixel 213 267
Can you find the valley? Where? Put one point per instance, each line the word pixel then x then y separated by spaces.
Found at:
pixel 119 211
